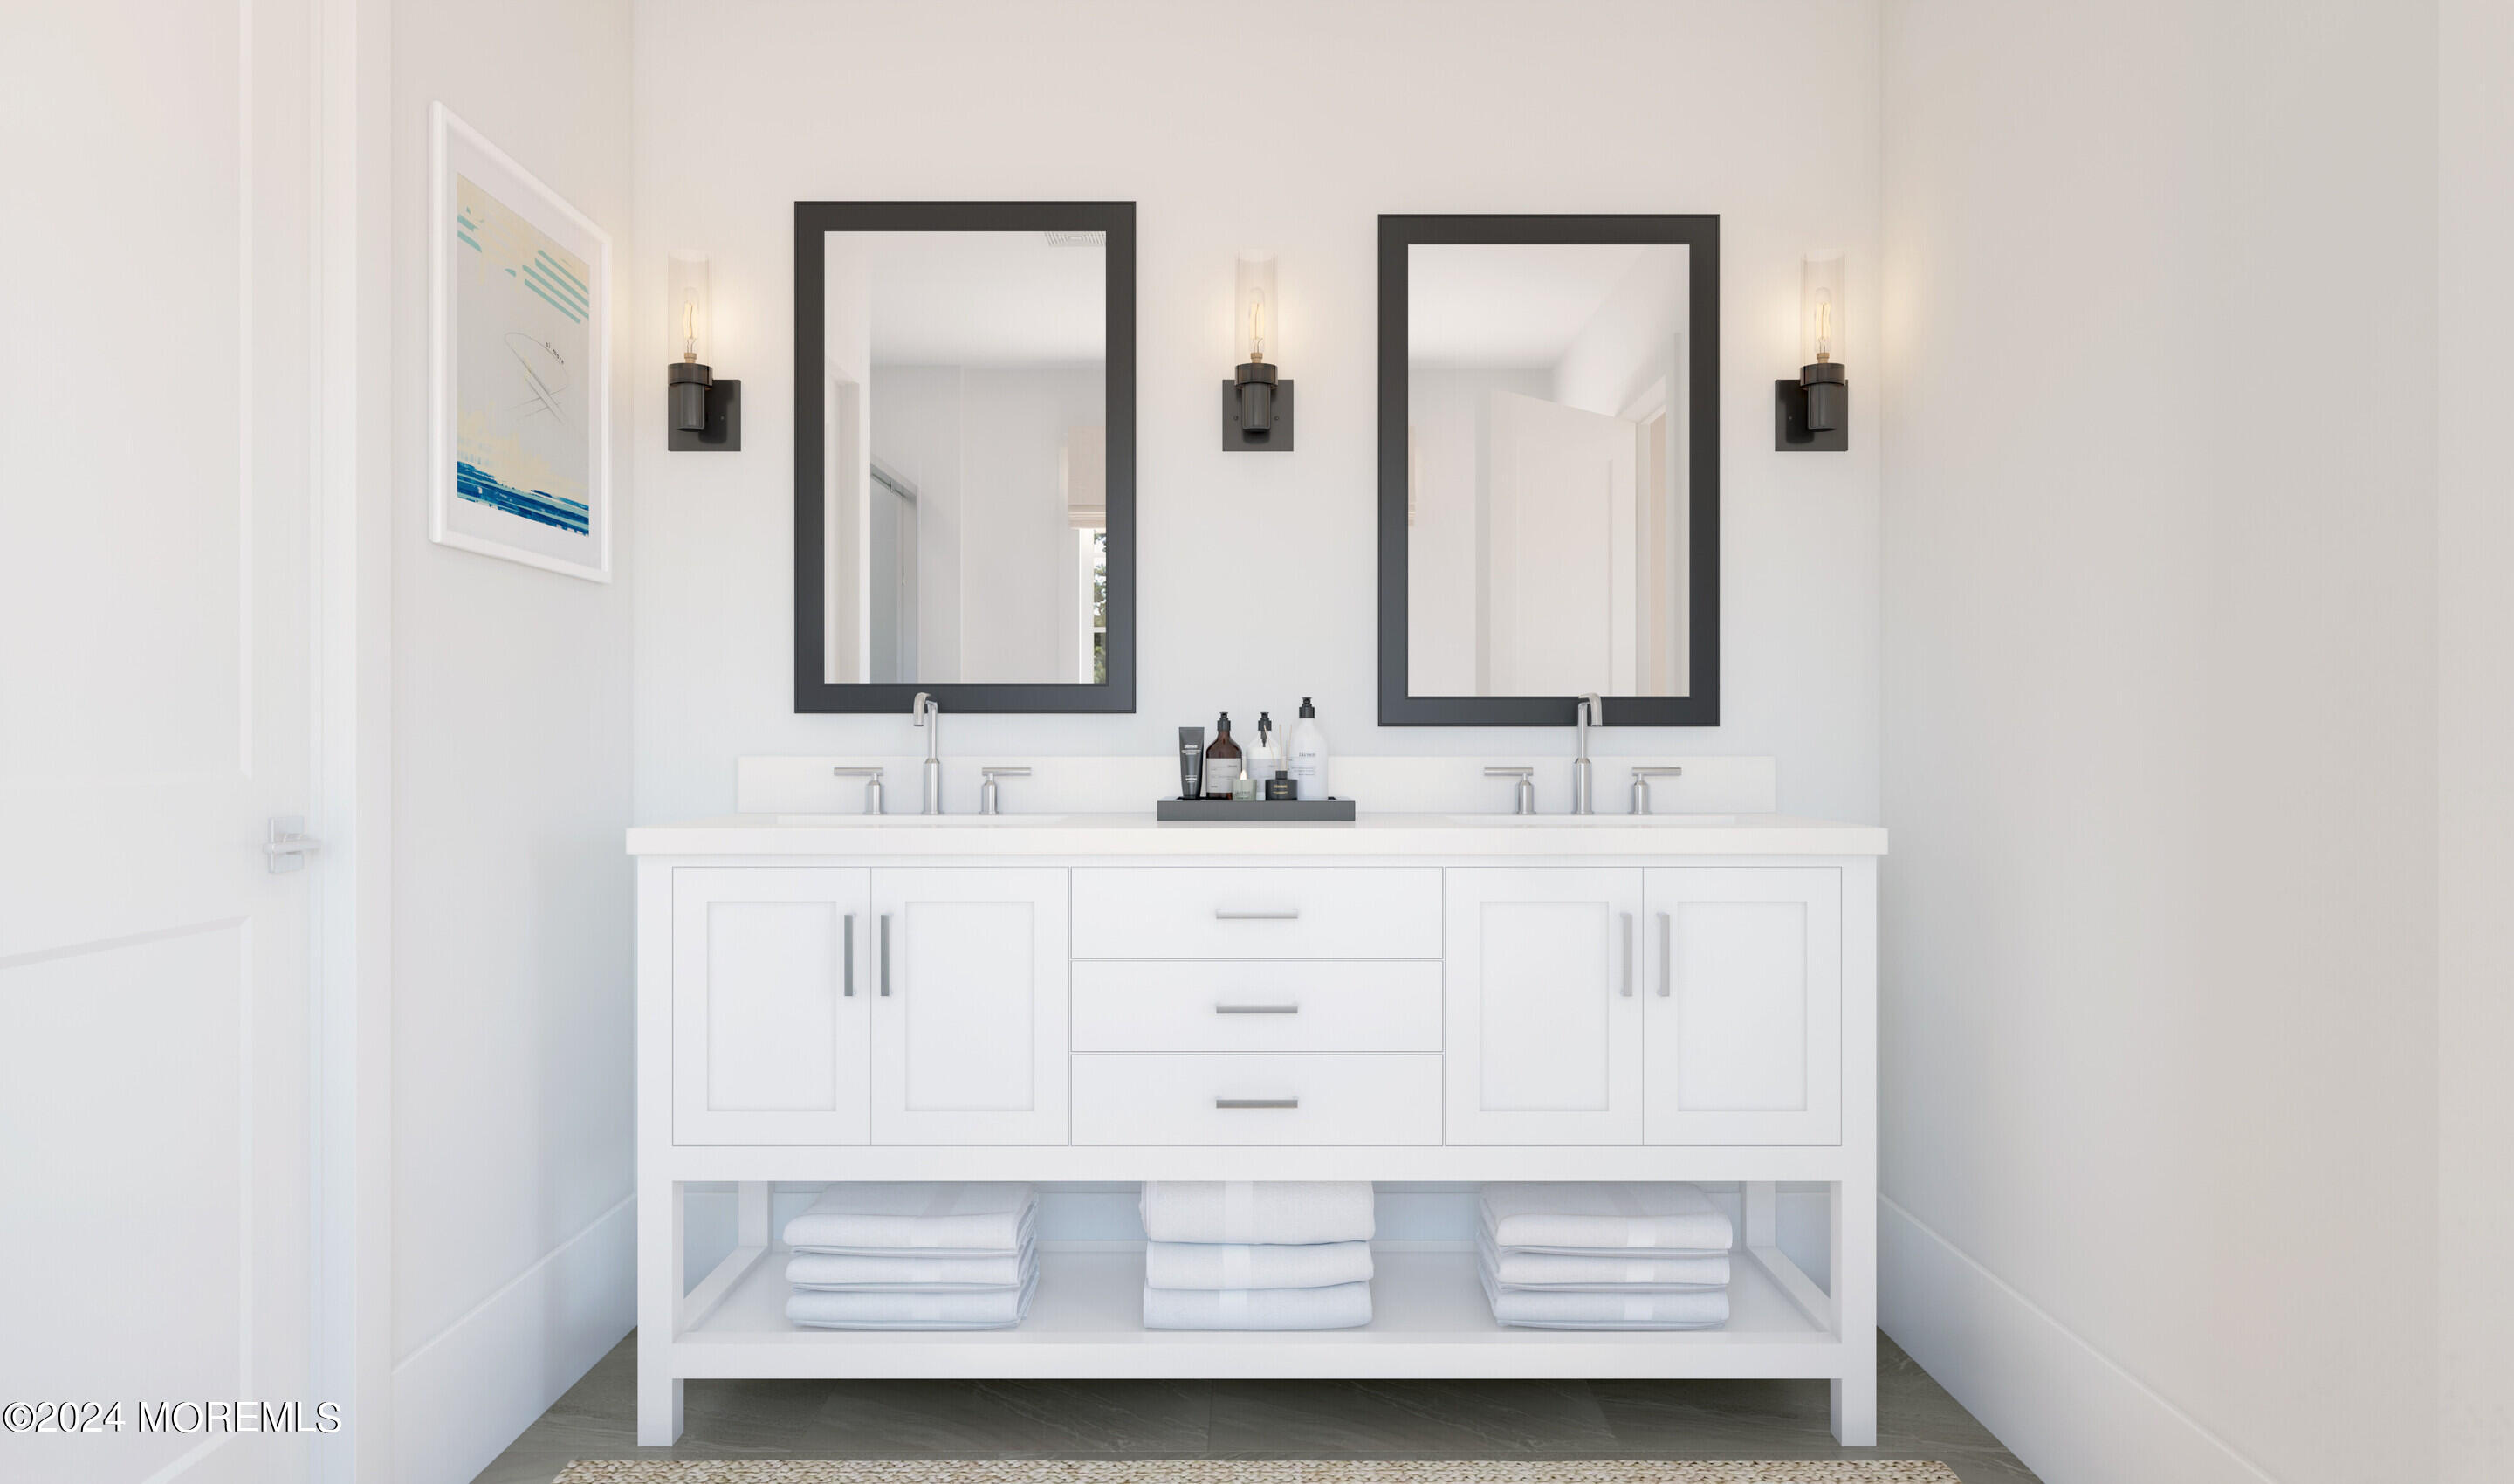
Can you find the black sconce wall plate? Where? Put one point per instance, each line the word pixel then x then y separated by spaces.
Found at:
pixel 723 431
pixel 1239 440
pixel 1790 431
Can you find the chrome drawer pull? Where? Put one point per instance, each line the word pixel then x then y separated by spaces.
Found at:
pixel 1225 914
pixel 1628 955
pixel 847 955
pixel 1256 1103
pixel 1256 1010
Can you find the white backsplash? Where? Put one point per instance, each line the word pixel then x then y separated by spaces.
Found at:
pixel 1379 784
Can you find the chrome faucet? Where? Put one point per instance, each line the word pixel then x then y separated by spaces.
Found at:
pixel 1588 711
pixel 927 712
pixel 873 786
pixel 989 794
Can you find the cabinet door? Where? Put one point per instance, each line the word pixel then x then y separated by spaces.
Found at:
pixel 1745 1004
pixel 1544 1008
pixel 969 1009
pixel 772 1023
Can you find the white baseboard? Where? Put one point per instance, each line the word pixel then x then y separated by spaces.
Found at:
pixel 461 1398
pixel 2066 1410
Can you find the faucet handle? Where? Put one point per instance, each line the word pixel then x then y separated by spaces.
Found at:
pixel 1527 785
pixel 872 787
pixel 1641 785
pixel 989 794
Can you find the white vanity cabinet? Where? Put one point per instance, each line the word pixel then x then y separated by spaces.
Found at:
pixel 1103 999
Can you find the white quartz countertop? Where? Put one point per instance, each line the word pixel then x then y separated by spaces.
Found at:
pixel 1140 834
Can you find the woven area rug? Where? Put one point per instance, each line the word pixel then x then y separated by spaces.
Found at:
pixel 1236 1472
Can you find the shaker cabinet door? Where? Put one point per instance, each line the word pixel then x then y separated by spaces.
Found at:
pixel 1744 1005
pixel 1544 1008
pixel 969 1005
pixel 772 1027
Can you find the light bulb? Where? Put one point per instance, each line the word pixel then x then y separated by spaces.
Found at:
pixel 1823 325
pixel 690 328
pixel 1257 327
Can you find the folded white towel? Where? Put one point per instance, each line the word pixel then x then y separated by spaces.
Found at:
pixel 1258 1211
pixel 1344 1306
pixel 1700 1308
pixel 875 1218
pixel 1585 1219
pixel 993 1309
pixel 1243 1265
pixel 1631 1272
pixel 907 1274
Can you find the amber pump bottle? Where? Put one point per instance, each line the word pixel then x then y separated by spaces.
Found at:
pixel 1221 761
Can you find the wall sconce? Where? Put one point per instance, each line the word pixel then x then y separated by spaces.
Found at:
pixel 1256 408
pixel 704 415
pixel 1812 414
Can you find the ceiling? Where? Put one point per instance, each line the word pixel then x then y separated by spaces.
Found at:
pixel 1512 305
pixel 985 298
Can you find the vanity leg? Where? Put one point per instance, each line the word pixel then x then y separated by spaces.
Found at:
pixel 1854 1310
pixel 659 1311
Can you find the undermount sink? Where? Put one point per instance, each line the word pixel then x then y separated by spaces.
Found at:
pixel 1596 821
pixel 917 821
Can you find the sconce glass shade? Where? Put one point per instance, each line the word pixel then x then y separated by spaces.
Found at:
pixel 685 331
pixel 1255 330
pixel 1820 308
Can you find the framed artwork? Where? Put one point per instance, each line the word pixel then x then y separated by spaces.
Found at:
pixel 519 385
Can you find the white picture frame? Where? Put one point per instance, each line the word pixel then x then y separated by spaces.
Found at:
pixel 519 362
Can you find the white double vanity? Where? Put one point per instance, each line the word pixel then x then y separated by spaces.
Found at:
pixel 1406 998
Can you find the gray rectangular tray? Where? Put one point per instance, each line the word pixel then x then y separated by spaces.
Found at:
pixel 1254 811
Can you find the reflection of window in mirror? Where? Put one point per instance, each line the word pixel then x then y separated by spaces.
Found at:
pixel 967 479
pixel 1547 517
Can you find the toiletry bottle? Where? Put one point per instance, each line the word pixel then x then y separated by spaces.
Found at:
pixel 1267 759
pixel 1308 760
pixel 1221 761
pixel 1191 762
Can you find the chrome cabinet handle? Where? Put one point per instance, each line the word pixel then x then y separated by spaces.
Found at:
pixel 1256 1103
pixel 1225 914
pixel 885 955
pixel 847 952
pixel 1665 954
pixel 1256 1010
pixel 1628 955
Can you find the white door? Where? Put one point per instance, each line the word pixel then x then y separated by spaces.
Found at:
pixel 156 711
pixel 1544 1008
pixel 969 1009
pixel 1563 556
pixel 772 1005
pixel 1745 1004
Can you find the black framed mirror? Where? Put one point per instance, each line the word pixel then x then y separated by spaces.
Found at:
pixel 965 454
pixel 1549 469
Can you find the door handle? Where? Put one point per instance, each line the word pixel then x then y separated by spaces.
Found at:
pixel 1256 1010
pixel 847 955
pixel 1628 955
pixel 885 955
pixel 1225 914
pixel 1256 1103
pixel 286 845
pixel 1665 954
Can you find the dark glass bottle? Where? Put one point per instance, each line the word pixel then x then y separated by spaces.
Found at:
pixel 1221 761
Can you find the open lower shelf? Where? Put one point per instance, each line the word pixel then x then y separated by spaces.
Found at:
pixel 1430 1319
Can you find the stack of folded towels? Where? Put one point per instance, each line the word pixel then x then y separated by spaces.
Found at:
pixel 913 1256
pixel 1605 1256
pixel 1257 1254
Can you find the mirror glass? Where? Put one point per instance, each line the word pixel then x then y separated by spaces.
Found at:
pixel 965 460
pixel 1547 498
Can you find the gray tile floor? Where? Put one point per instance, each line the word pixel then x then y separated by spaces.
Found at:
pixel 1259 1419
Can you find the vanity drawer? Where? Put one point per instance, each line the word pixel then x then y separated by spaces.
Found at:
pixel 1256 912
pixel 1283 1100
pixel 1257 1004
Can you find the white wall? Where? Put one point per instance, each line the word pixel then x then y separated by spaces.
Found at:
pixel 2476 549
pixel 1257 571
pixel 2161 731
pixel 510 1064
